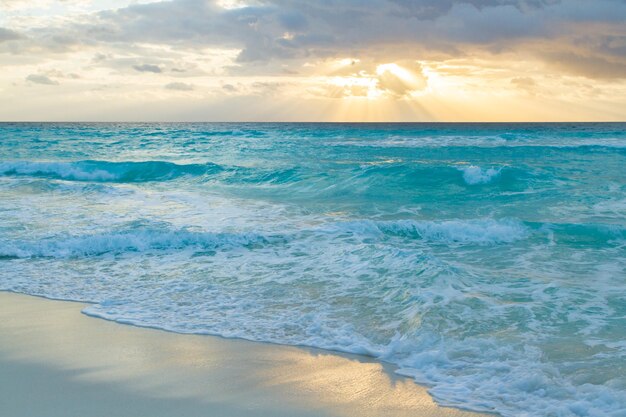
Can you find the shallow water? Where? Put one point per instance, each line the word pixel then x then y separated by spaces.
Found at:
pixel 485 260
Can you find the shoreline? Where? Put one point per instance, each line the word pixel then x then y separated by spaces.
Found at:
pixel 56 361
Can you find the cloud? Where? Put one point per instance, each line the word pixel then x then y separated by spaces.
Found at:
pixel 524 82
pixel 148 68
pixel 179 86
pixel 41 79
pixel 293 20
pixel 291 30
pixel 463 54
pixel 99 57
pixel 266 88
pixel 400 80
pixel 590 66
pixel 278 31
pixel 356 78
pixel 8 35
pixel 432 9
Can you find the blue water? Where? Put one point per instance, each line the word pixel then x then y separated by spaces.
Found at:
pixel 487 261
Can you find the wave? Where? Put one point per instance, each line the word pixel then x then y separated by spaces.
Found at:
pixel 105 171
pixel 373 177
pixel 363 287
pixel 482 232
pixel 582 234
pixel 146 171
pixel 127 241
pixel 474 175
pixel 475 231
pixel 486 231
pixel 424 178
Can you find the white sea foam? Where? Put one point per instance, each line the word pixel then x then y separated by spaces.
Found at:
pixel 473 174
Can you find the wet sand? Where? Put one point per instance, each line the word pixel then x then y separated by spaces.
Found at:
pixel 55 361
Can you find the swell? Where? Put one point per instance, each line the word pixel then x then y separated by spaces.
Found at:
pixel 482 140
pixel 297 179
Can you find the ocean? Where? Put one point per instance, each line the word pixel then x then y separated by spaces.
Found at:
pixel 486 261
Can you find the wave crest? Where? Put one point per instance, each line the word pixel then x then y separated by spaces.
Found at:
pixel 127 241
pixel 105 171
pixel 477 231
pixel 474 175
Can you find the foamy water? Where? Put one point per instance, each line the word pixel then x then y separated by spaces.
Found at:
pixel 487 261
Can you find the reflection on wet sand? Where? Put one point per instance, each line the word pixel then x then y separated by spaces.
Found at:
pixel 197 373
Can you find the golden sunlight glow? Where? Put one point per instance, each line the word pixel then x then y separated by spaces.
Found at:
pixel 394 69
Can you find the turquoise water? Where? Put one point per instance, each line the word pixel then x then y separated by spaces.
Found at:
pixel 487 261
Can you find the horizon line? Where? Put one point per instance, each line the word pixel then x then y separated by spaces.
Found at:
pixel 307 122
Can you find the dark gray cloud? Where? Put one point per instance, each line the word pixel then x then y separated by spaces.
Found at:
pixel 299 29
pixel 432 9
pixel 575 35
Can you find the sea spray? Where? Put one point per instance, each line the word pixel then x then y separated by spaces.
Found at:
pixel 476 175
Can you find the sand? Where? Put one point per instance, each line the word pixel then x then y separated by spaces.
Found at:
pixel 55 361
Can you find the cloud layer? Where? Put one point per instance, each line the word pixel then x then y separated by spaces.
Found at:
pixel 327 50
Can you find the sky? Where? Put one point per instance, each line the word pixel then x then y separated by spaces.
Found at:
pixel 313 60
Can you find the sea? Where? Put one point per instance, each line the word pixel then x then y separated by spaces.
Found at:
pixel 485 261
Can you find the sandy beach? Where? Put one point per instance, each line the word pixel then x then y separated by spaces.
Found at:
pixel 55 361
